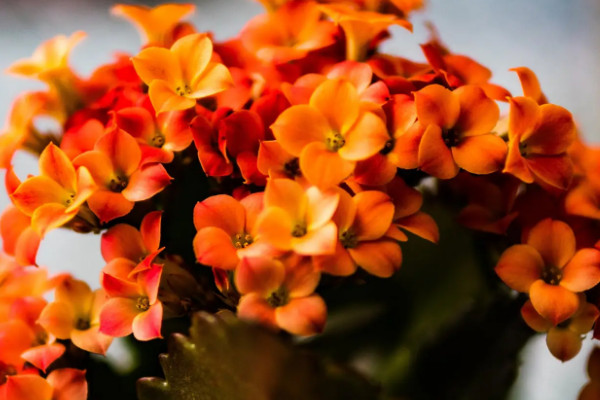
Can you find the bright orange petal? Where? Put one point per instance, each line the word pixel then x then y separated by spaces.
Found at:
pixel 556 171
pixel 156 63
pixel 56 165
pixel 91 340
pixel 534 320
pixel 147 181
pixel 275 226
pixel 27 387
pixel 554 133
pixel 523 116
pixel 553 302
pixel 109 205
pixel 122 149
pixel 340 263
pixel 478 113
pixel 122 240
pixel 214 247
pixel 338 101
pixel 583 271
pixel 58 318
pixel 366 137
pixel 324 168
pixel 435 157
pixel 146 325
pixel 519 267
pixel 259 275
pixel 374 213
pixel 37 191
pixel 298 126
pixel 437 105
pixel 116 317
pixel 303 316
pixel 481 154
pixel 554 240
pixel 68 384
pixel 381 258
pixel 164 98
pixel 317 241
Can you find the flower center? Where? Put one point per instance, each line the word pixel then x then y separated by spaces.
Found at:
pixel 118 184
pixel 280 297
pixel 158 140
pixel 143 303
pixel 299 230
pixel 6 370
pixel 451 137
pixel 82 324
pixel 335 141
pixel 388 147
pixel 292 168
pixel 70 199
pixel 552 275
pixel 348 239
pixel 242 240
pixel 183 90
pixel 523 149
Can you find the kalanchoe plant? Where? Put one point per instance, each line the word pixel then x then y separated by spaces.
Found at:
pixel 274 179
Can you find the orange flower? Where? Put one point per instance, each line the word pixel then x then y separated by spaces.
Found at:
pixel 362 222
pixel 75 315
pixel 297 219
pixel 158 137
pixel 133 306
pixel 539 137
pixel 178 76
pixel 564 341
pixel 19 239
pixel 116 165
pixel 280 294
pixel 53 198
pixel 225 225
pixel 59 384
pixel 363 29
pixel 124 241
pixel 49 64
pixel 288 33
pixel 457 133
pixel 550 270
pixel 158 26
pixel 331 133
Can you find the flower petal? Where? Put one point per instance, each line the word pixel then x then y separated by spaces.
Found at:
pixel 482 154
pixel 259 275
pixel 554 240
pixel 117 315
pixel 435 157
pixel 324 168
pixel 147 181
pixel 519 267
pixel 380 258
pixel 298 126
pixel 146 325
pixel 553 302
pixel 583 271
pixel 302 316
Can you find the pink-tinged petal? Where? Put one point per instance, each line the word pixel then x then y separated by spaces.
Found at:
pixel 122 240
pixel 298 126
pixel 214 247
pixel 553 302
pixel 175 126
pixel 150 230
pixel 55 164
pixel 148 280
pixel 438 106
pixel 519 267
pixel 27 387
pixel 435 157
pixel 534 320
pixel 583 271
pixel 482 154
pixel 254 307
pixel 554 240
pixel 117 315
pixel 42 356
pixel 374 213
pixel 564 344
pixel 146 325
pixel 246 162
pixel 556 171
pixel 58 318
pixel 50 216
pixel 302 316
pixel 81 139
pixel 259 275
pixel 221 211
pixel 340 263
pixel 324 168
pixel 91 340
pixel 321 207
pixel 377 93
pixel 37 191
pixel 137 121
pixel 422 225
pixel 316 242
pixel 122 149
pixel 117 287
pixel 337 100
pixel 301 276
pixel 366 137
pixel 109 205
pixel 359 74
pixel 381 258
pixel 147 181
pixel 68 384
pixel 253 204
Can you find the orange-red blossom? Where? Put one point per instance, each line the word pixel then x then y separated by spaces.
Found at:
pixel 549 268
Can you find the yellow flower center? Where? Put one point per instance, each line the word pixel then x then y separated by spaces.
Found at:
pixel 279 298
pixel 143 303
pixel 299 230
pixel 348 239
pixel 335 141
pixel 242 240
pixel 552 275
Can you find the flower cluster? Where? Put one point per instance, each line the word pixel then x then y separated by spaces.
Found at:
pixel 315 145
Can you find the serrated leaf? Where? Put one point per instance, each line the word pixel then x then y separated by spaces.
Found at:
pixel 227 359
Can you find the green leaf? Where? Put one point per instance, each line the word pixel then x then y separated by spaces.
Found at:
pixel 227 359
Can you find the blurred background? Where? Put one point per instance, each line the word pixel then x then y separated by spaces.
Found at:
pixel 557 39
